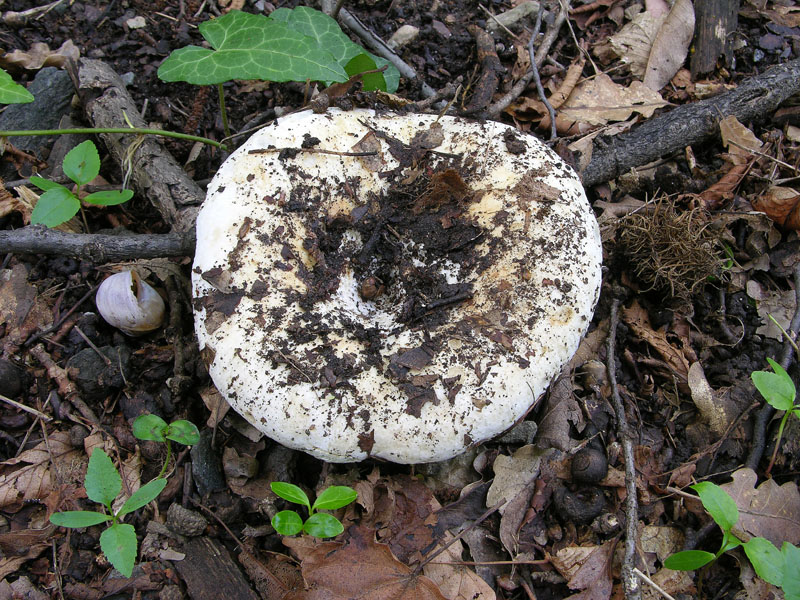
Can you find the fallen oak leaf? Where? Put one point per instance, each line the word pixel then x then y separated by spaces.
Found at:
pixel 781 204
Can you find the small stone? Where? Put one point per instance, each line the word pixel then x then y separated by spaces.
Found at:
pixel 401 37
pixel 521 433
pixel 510 17
pixel 185 522
pixel 136 23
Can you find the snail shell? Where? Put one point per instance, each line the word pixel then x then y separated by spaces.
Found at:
pixel 130 304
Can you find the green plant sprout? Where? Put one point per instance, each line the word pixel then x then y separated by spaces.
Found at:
pixel 58 204
pixel 779 391
pixel 156 429
pixel 103 484
pixel 12 92
pixel 298 44
pixel 321 525
pixel 781 567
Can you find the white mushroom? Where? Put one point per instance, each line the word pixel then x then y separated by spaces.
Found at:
pixel 372 284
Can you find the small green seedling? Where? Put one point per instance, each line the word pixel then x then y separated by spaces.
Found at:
pixel 778 567
pixel 779 391
pixel 301 44
pixel 58 204
pixel 12 92
pixel 156 429
pixel 321 525
pixel 103 484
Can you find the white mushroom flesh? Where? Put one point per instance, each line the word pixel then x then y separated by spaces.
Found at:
pixel 489 289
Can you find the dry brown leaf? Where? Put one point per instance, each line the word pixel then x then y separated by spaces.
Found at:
pixel 40 56
pixel 512 474
pixel 456 582
pixel 600 100
pixel 571 79
pixel 781 204
pixel 561 413
pixel 637 318
pixel 770 510
pixel 632 43
pixel 671 45
pixel 780 304
pixel 738 139
pixel 33 474
pixel 672 582
pixel 723 190
pixel 586 568
pixel 18 547
pixel 362 568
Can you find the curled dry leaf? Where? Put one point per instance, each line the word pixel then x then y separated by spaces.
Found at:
pixel 632 43
pixel 671 45
pixel 40 56
pixel 600 100
pixel 781 204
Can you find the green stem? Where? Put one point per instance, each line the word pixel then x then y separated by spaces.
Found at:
pixel 166 461
pixel 778 441
pixel 128 130
pixel 223 112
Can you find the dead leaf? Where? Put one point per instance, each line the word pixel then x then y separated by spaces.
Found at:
pixel 738 139
pixel 633 42
pixel 600 100
pixel 561 413
pixel 33 474
pixel 456 582
pixel 781 204
pixel 362 568
pixel 771 511
pixel 40 56
pixel 512 474
pixel 780 304
pixel 586 568
pixel 670 46
pixel 637 318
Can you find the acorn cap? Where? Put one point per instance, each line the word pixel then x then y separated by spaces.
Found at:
pixel 395 286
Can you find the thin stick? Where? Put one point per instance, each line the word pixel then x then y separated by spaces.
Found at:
pixel 310 151
pixel 126 130
pixel 223 111
pixel 540 90
pixel 653 584
pixel 27 409
pixel 629 581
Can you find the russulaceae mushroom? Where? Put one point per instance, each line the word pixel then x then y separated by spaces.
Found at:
pixel 386 285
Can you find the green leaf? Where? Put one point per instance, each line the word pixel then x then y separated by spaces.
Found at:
pixel 150 427
pixel 45 184
pixel 103 483
pixel 335 497
pixel 363 62
pixel 82 163
pixel 118 543
pixel 766 559
pixel 184 432
pixel 11 92
pixel 287 522
pixel 290 492
pixel 718 503
pixel 249 46
pixel 688 560
pixel 109 197
pixel 323 525
pixel 791 571
pixel 777 388
pixel 329 36
pixel 142 496
pixel 54 207
pixel 78 518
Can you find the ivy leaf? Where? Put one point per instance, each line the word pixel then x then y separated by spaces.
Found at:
pixel 326 31
pixel 290 492
pixel 718 503
pixel 287 522
pixel 11 92
pixel 688 560
pixel 247 46
pixel 109 197
pixel 118 543
pixel 142 496
pixel 184 432
pixel 82 163
pixel 103 483
pixel 335 497
pixel 323 525
pixel 78 518
pixel 54 207
pixel 150 427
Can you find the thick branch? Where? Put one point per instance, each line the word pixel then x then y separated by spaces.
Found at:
pixel 95 247
pixel 753 100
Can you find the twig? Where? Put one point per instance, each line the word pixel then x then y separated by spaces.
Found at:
pixel 65 386
pixel 547 41
pixel 310 151
pixel 652 583
pixel 550 110
pixel 64 317
pixel 629 580
pixel 125 130
pixel 27 409
pixel 97 248
pixel 765 414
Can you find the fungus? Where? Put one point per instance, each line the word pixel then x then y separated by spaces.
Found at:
pixel 395 286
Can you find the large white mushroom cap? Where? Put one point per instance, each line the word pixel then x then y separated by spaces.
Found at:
pixel 383 285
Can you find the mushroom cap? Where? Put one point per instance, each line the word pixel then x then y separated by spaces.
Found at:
pixel 375 284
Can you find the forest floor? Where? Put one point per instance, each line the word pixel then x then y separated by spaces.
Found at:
pixel 700 283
